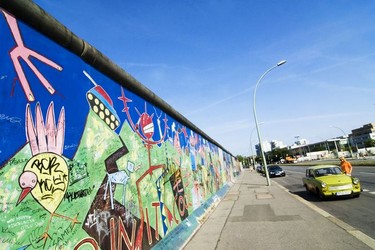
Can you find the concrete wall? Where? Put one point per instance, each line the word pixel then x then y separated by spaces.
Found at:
pixel 89 157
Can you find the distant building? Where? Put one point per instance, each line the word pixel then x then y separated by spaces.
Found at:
pixel 302 147
pixel 269 146
pixel 359 136
pixel 266 147
pixel 277 144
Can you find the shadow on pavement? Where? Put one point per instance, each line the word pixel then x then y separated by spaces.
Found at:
pixel 313 198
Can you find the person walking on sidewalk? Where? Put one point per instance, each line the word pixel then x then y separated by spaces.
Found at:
pixel 346 166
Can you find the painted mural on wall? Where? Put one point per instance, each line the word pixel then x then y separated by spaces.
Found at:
pixel 86 163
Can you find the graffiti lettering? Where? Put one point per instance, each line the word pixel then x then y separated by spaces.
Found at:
pixel 28 209
pixel 59 240
pixel 15 161
pixel 99 219
pixel 10 119
pixel 122 234
pixel 70 146
pixel 70 196
pixel 45 166
pixel 24 221
pixel 175 187
pixel 179 194
pixel 51 178
pixel 52 186
pixel 77 171
pixel 5 230
pixel 9 241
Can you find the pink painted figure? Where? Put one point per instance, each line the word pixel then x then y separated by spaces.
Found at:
pixel 27 182
pixel 46 140
pixel 20 51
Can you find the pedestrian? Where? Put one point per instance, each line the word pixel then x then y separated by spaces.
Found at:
pixel 346 166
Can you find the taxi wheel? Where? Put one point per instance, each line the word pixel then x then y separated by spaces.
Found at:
pixel 320 194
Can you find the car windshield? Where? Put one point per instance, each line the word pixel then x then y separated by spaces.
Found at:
pixel 274 168
pixel 327 171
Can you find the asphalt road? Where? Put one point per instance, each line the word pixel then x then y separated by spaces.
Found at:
pixel 357 212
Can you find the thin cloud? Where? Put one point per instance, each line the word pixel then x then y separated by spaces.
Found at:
pixel 213 104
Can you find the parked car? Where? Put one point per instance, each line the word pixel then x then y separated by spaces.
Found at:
pixel 329 181
pixel 260 169
pixel 275 171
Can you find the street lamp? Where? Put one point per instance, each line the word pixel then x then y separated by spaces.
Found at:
pixel 251 144
pixel 256 121
pixel 347 138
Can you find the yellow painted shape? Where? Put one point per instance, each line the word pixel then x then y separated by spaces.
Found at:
pixel 52 179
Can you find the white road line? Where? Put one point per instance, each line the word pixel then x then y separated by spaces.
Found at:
pixel 366 190
pixel 367 173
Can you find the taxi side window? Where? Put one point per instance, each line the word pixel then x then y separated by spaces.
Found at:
pixel 311 173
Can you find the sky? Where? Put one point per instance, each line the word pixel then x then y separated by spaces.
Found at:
pixel 204 58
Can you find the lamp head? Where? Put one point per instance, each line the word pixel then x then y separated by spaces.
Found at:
pixel 281 63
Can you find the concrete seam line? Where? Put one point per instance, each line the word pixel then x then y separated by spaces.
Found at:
pixel 356 233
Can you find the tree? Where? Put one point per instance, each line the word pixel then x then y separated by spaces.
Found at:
pixel 277 154
pixel 240 158
pixel 244 160
pixel 370 143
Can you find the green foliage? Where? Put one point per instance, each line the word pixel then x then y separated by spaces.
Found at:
pixel 277 154
pixel 240 158
pixel 370 143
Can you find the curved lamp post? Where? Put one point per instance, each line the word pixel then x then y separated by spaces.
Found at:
pixel 347 137
pixel 251 144
pixel 256 121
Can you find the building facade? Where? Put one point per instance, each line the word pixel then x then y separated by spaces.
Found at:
pixel 360 136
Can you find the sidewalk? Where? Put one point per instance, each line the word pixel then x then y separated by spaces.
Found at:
pixel 253 215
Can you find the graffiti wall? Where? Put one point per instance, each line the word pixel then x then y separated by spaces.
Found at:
pixel 85 163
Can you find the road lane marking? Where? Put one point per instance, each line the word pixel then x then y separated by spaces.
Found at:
pixel 367 173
